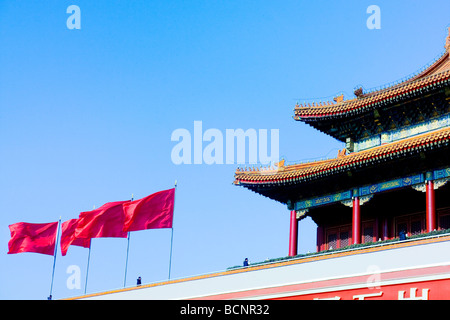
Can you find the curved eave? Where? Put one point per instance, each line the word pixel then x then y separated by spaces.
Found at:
pixel 318 170
pixel 392 95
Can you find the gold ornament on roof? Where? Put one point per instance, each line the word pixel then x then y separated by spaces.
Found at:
pixel 339 98
pixel 280 164
pixel 342 153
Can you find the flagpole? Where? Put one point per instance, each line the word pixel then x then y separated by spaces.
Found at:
pixel 171 237
pixel 87 268
pixel 54 257
pixel 126 263
pixel 89 259
pixel 128 249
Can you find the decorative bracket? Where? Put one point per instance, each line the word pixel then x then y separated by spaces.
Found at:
pixel 348 203
pixel 362 200
pixel 422 187
pixel 439 183
pixel 300 214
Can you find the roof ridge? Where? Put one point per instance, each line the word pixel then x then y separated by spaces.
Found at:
pixel 290 171
pixel 374 93
pixel 377 97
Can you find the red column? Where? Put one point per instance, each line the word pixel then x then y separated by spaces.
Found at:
pixel 385 229
pixel 293 234
pixel 431 208
pixel 319 242
pixel 356 221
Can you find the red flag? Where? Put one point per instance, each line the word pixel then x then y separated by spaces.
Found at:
pixel 68 236
pixel 33 237
pixel 106 221
pixel 152 212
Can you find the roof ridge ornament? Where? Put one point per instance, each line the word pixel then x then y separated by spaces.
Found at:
pixel 342 153
pixel 359 93
pixel 339 98
pixel 317 104
pixel 280 164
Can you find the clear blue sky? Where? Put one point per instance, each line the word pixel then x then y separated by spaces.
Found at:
pixel 86 118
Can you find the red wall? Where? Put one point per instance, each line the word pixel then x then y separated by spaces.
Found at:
pixel 436 289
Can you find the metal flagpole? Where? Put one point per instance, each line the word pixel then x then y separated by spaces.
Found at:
pixel 54 258
pixel 126 263
pixel 87 268
pixel 171 237
pixel 128 249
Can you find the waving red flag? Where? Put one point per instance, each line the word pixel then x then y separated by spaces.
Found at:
pixel 33 237
pixel 152 212
pixel 68 236
pixel 106 221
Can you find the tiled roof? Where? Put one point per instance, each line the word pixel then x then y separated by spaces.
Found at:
pixel 315 170
pixel 371 100
pixel 437 74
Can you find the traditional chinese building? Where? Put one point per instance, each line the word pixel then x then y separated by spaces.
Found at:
pixel 390 177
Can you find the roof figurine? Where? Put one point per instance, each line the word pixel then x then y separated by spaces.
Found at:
pixel 342 153
pixel 339 98
pixel 280 164
pixel 359 92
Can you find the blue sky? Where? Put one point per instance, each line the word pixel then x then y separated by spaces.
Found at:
pixel 86 118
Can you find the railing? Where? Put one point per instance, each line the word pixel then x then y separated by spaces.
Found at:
pixel 354 247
